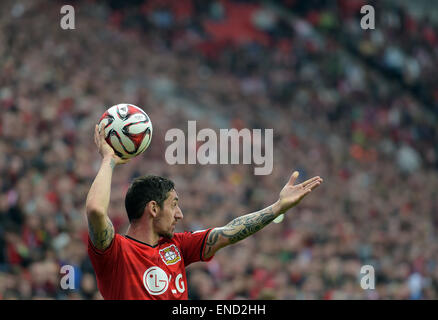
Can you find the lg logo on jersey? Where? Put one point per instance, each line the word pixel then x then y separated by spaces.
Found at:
pixel 156 281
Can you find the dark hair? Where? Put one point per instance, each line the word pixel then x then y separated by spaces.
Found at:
pixel 143 190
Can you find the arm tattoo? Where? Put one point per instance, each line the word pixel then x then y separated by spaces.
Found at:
pixel 241 227
pixel 112 164
pixel 102 239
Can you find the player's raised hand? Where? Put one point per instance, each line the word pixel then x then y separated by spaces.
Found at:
pixel 292 194
pixel 104 148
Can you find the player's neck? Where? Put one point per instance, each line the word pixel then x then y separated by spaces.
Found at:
pixel 143 234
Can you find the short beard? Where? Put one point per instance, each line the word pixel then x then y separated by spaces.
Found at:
pixel 168 235
pixel 164 234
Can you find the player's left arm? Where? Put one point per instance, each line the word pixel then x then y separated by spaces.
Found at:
pixel 244 226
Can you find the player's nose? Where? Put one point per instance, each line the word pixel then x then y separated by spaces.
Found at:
pixel 179 214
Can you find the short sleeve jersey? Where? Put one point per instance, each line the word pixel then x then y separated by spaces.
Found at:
pixel 132 270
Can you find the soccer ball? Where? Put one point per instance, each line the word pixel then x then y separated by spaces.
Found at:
pixel 128 129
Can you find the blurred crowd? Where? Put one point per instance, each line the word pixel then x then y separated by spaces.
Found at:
pixel 358 108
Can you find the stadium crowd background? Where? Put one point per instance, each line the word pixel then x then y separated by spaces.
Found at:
pixel 359 108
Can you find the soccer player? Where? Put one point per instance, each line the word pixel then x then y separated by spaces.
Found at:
pixel 149 261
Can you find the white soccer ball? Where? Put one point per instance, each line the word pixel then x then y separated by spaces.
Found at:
pixel 128 129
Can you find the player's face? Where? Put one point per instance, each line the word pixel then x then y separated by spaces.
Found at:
pixel 168 216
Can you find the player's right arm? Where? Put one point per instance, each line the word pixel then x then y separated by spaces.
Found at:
pixel 100 228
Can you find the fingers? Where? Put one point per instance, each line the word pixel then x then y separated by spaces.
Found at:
pixel 99 135
pixel 314 184
pixel 96 135
pixel 293 178
pixel 309 181
pixel 304 184
pixel 102 133
pixel 310 187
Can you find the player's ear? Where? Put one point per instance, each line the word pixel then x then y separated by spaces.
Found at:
pixel 153 208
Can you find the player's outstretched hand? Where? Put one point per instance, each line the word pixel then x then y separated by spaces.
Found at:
pixel 104 148
pixel 292 194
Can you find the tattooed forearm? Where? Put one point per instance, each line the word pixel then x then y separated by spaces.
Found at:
pixel 112 164
pixel 101 239
pixel 240 228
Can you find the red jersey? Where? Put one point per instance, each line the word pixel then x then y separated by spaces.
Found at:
pixel 131 269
